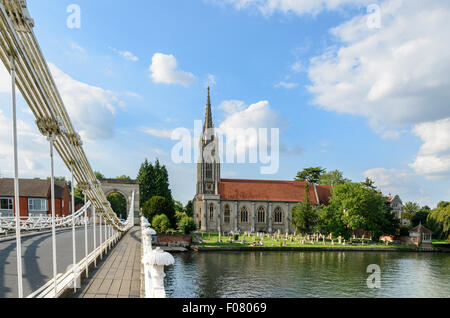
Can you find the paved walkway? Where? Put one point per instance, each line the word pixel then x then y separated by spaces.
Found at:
pixel 119 274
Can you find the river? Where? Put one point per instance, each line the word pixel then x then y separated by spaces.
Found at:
pixel 307 274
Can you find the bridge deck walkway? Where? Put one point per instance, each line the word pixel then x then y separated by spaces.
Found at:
pixel 118 275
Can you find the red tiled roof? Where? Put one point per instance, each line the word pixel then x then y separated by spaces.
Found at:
pixel 269 190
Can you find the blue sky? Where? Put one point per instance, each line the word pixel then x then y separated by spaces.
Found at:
pixel 369 101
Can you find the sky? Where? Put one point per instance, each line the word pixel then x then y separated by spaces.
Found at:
pixel 359 86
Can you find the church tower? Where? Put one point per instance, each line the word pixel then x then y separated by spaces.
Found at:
pixel 208 166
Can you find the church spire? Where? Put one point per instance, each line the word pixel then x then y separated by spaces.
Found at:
pixel 208 114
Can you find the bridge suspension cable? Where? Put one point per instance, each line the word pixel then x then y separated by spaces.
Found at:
pixel 23 59
pixel 18 45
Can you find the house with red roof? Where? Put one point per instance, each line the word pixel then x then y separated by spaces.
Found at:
pixel 238 205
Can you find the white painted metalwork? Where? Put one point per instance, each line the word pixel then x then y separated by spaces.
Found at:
pixel 22 56
pixel 154 261
pixel 16 179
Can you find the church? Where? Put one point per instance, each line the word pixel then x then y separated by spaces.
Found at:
pixel 239 205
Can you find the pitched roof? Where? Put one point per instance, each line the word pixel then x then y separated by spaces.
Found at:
pixel 421 228
pixel 271 190
pixel 35 188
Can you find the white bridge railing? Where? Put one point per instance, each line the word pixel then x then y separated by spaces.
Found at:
pixel 8 224
pixel 109 236
pixel 153 261
pixel 22 57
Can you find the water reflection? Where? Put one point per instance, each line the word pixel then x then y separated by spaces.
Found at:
pixel 307 274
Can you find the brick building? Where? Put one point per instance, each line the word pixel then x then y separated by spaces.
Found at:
pixel 35 198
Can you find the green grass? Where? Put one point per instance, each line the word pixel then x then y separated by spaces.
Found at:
pixel 441 242
pixel 211 240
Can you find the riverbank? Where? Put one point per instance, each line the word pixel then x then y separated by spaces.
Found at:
pixel 210 243
pixel 201 248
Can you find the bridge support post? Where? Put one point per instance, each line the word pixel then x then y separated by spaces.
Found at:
pixel 51 139
pixel 16 179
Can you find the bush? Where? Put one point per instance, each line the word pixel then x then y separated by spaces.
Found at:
pixel 187 225
pixel 156 206
pixel 161 223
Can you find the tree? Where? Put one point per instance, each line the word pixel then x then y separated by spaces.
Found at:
pixel 187 225
pixel 333 178
pixel 369 183
pixel 99 175
pixel 178 206
pixel 304 215
pixel 439 220
pixel 123 177
pixel 311 175
pixel 161 223
pixel 419 218
pixel 355 206
pixel 118 204
pixel 410 209
pixel 157 205
pixel 189 208
pixel 154 181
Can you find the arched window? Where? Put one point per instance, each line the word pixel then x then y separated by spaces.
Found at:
pixel 261 215
pixel 211 211
pixel 226 214
pixel 208 171
pixel 244 215
pixel 278 215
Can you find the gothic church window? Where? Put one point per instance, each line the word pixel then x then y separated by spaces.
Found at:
pixel 261 215
pixel 211 211
pixel 244 215
pixel 278 215
pixel 226 214
pixel 209 171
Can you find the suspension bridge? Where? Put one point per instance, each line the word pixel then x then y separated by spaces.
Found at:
pixel 82 239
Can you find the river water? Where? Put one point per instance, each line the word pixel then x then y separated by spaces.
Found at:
pixel 307 274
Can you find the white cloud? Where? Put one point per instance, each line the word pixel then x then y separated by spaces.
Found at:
pixel 160 133
pixel 91 108
pixel 240 118
pixel 393 181
pixel 32 148
pixel 128 56
pixel 396 75
pixel 210 81
pixel 286 85
pixel 77 48
pixel 433 159
pixel 299 7
pixel 164 69
pixel 298 67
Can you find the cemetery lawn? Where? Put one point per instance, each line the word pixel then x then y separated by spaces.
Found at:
pixel 211 240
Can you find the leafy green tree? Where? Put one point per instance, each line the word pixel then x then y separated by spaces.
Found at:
pixel 311 175
pixel 304 215
pixel 353 206
pixel 99 175
pixel 419 218
pixel 118 204
pixel 439 220
pixel 333 178
pixel 178 206
pixel 123 177
pixel 161 223
pixel 187 225
pixel 410 209
pixel 189 208
pixel 153 180
pixel 157 205
pixel 369 183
